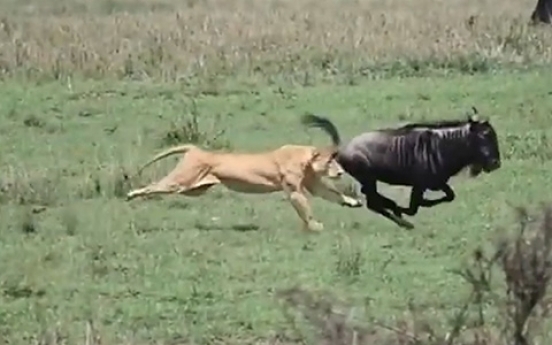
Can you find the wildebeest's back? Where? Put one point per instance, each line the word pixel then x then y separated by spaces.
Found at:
pixel 391 158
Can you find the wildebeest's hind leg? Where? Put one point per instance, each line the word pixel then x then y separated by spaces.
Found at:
pixel 382 205
pixel 417 199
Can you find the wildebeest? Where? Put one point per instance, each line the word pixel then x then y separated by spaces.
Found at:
pixel 423 155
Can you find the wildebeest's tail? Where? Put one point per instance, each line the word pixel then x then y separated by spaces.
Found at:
pixel 170 151
pixel 323 123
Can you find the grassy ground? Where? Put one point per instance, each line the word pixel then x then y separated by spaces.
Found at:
pixel 189 268
pixel 91 90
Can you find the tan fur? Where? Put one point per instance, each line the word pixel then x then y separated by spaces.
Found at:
pixel 294 169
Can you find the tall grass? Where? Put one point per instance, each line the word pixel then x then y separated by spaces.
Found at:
pixel 302 41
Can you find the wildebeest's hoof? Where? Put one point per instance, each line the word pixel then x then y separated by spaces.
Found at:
pixel 405 224
pixel 400 221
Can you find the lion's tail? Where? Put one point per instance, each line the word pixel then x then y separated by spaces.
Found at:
pixel 169 152
pixel 323 123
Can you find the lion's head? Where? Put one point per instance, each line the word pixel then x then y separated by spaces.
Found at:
pixel 324 163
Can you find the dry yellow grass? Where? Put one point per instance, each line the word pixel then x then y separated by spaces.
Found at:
pixel 173 40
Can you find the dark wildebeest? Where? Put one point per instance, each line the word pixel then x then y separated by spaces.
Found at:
pixel 421 155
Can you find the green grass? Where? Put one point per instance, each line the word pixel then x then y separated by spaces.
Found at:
pixel 185 268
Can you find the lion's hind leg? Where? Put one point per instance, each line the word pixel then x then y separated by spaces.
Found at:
pixel 169 186
pixel 192 177
pixel 165 186
pixel 154 188
pixel 201 187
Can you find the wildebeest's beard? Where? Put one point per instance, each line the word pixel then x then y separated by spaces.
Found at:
pixel 487 155
pixel 475 169
pixel 488 165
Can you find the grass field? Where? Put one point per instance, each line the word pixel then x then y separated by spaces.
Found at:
pixel 186 267
pixel 91 91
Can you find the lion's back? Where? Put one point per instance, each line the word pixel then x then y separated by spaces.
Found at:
pixel 257 168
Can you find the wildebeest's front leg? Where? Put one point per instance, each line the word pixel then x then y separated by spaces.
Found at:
pixel 449 196
pixel 382 205
pixel 417 199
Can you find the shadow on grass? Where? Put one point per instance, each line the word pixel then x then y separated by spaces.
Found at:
pixel 246 227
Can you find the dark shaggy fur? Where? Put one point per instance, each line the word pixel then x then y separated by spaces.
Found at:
pixel 423 156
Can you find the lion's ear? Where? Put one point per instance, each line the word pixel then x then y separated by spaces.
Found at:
pixel 315 155
pixel 314 160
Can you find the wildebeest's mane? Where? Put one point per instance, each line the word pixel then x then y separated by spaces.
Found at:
pixel 436 124
pixel 430 124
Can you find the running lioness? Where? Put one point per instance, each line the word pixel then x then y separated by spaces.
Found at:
pixel 293 169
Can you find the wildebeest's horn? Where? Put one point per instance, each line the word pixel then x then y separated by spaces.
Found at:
pixel 475 116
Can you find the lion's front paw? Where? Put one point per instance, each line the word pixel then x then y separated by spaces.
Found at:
pixel 315 226
pixel 351 202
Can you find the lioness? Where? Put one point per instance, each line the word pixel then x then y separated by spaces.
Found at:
pixel 293 169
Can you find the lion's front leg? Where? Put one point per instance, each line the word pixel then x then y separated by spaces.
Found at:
pixel 327 191
pixel 300 202
pixel 301 205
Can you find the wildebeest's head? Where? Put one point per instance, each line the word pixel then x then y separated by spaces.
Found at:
pixel 484 142
pixel 323 163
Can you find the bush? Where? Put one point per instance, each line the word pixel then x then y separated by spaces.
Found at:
pixel 525 262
